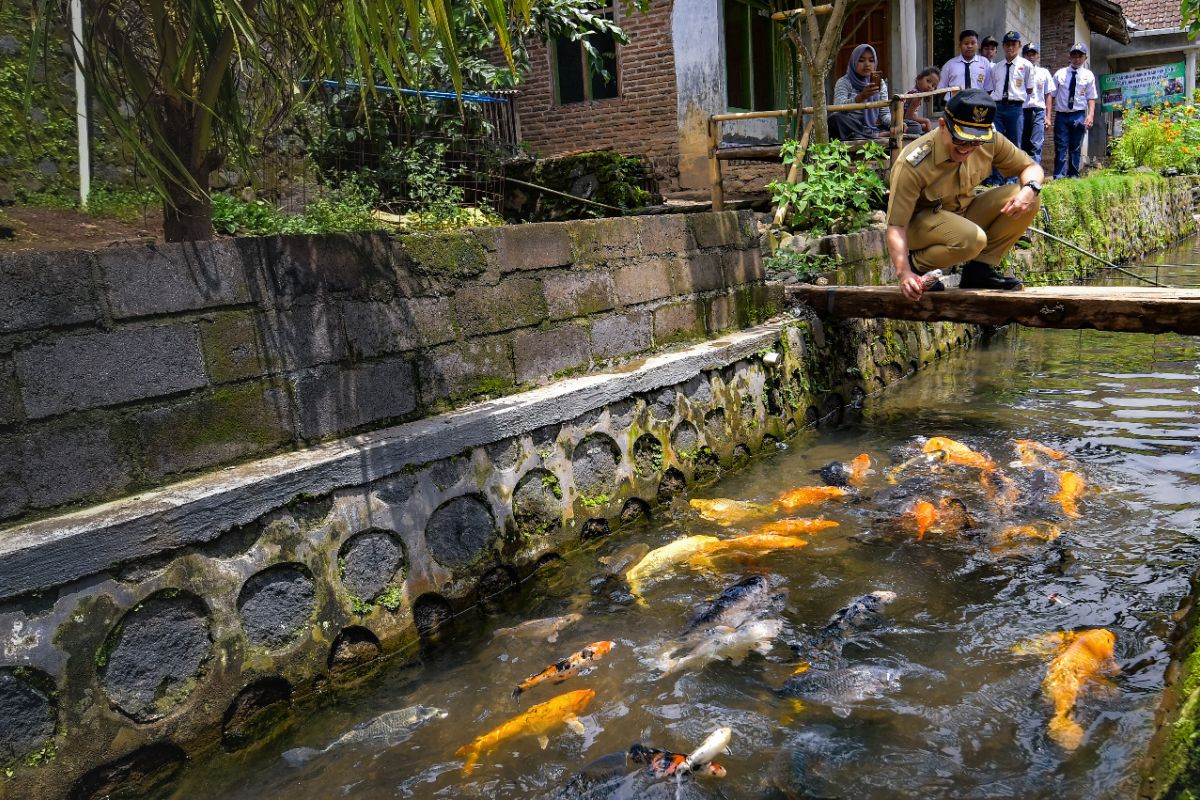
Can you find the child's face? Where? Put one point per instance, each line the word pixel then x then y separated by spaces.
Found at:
pixel 928 83
pixel 989 51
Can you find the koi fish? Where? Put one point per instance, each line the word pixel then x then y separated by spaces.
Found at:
pixel 842 687
pixel 537 721
pixel 949 515
pixel 810 495
pixel 569 667
pixel 794 526
pixel 1000 489
pixel 620 563
pixel 664 764
pixel 724 642
pixel 1070 488
pixel 727 512
pixel 716 743
pixel 958 453
pixel 1013 537
pixel 388 729
pixel 1027 450
pixel 846 473
pixel 861 614
pixel 749 597
pixel 758 542
pixel 547 628
pixel 1086 657
pixel 663 558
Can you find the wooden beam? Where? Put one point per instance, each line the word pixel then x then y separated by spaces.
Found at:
pixel 818 11
pixel 1126 309
pixel 714 166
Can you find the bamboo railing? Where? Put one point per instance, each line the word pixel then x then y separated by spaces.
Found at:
pixel 716 155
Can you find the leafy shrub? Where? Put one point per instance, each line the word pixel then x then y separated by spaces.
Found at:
pixel 233 216
pixel 112 202
pixel 838 191
pixel 344 209
pixel 803 265
pixel 1160 137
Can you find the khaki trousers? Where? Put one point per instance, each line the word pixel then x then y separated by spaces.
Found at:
pixel 942 239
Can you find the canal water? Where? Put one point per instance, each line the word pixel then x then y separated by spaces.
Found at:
pixel 947 703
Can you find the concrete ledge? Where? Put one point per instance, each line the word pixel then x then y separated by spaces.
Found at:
pixel 56 551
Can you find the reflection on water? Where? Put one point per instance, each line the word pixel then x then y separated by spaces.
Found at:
pixel 957 713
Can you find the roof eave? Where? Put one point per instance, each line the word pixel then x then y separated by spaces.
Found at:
pixel 1107 19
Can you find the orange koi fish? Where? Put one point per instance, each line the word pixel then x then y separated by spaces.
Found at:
pixel 793 527
pixel 759 541
pixel 663 763
pixel 569 667
pixel 810 495
pixel 1027 448
pixel 957 453
pixel 1000 488
pixel 1013 537
pixel 1070 488
pixel 925 514
pixel 860 467
pixel 949 515
pixel 846 473
pixel 727 512
pixel 1085 657
pixel 537 721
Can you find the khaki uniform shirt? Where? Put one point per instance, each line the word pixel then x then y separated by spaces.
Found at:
pixel 924 176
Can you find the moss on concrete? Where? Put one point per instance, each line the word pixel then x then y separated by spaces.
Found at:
pixel 445 255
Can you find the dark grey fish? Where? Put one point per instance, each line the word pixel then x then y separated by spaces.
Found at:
pixel 746 599
pixel 835 473
pixel 842 687
pixel 596 779
pixel 388 729
pixel 863 613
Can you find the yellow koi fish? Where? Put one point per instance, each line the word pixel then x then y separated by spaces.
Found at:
pixel 958 453
pixel 537 721
pixel 810 495
pixel 569 667
pixel 1027 451
pixel 663 558
pixel 924 514
pixel 794 527
pixel 1086 657
pixel 758 542
pixel 1013 537
pixel 1070 488
pixel 727 512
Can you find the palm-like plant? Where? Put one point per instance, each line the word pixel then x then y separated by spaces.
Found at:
pixel 184 81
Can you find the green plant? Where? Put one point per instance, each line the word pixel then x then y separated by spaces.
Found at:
pixel 594 501
pixel 234 216
pixel 803 265
pixel 1159 137
pixel 551 482
pixel 838 190
pixel 392 597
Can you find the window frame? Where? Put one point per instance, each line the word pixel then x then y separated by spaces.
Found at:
pixel 777 49
pixel 609 11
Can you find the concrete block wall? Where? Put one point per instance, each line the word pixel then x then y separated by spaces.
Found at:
pixel 131 367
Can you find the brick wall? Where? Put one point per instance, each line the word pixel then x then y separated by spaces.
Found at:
pixel 127 368
pixel 642 120
pixel 1058 34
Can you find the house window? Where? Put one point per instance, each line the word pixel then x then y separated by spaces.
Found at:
pixel 576 77
pixel 749 56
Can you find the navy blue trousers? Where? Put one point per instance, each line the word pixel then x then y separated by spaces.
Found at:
pixel 1033 135
pixel 1068 140
pixel 1009 119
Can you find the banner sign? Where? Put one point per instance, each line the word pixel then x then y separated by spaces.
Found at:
pixel 1143 87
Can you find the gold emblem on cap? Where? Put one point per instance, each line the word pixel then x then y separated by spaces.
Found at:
pixel 979 112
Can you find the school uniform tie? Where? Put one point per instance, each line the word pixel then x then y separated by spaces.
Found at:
pixel 1071 93
pixel 1007 75
pixel 967 70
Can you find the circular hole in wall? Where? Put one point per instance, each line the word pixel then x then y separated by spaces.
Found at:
pixel 460 531
pixel 276 605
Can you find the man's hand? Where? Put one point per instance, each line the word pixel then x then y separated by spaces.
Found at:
pixel 1087 122
pixel 1047 122
pixel 911 285
pixel 1019 203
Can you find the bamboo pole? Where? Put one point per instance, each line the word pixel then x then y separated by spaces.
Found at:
pixel 897 129
pixel 714 165
pixel 818 11
pixel 794 172
pixel 791 112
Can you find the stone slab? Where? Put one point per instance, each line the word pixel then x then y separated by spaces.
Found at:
pixel 577 293
pixel 42 290
pixel 10 403
pixel 479 366
pixel 304 265
pixel 376 329
pixel 65 464
pixel 643 281
pixel 93 370
pixel 540 354
pixel 51 552
pixel 621 334
pixel 305 335
pixel 332 399
pixel 513 303
pixel 168 278
pixel 233 346
pixel 522 247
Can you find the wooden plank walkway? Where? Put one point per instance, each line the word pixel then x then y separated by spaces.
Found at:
pixel 1126 309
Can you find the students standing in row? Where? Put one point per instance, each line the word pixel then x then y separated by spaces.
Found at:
pixel 1036 123
pixel 1074 111
pixel 968 69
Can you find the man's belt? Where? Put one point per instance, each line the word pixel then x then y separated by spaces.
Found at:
pixel 1011 102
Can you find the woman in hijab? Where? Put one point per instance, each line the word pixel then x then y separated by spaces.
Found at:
pixel 860 84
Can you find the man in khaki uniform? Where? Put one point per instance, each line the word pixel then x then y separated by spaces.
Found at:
pixel 935 219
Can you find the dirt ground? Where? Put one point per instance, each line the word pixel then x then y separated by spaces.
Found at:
pixel 60 229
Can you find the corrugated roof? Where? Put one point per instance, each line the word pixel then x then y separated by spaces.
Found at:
pixel 1153 14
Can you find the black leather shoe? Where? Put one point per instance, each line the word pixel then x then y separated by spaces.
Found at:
pixel 977 275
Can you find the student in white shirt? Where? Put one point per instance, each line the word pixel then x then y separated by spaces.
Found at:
pixel 1033 129
pixel 1074 111
pixel 1012 77
pixel 968 69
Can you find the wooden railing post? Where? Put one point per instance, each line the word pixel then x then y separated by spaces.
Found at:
pixel 897 143
pixel 714 165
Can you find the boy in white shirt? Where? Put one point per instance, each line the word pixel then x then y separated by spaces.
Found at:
pixel 1012 77
pixel 968 69
pixel 1074 111
pixel 1033 130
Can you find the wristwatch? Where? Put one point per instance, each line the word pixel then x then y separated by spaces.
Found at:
pixel 1037 187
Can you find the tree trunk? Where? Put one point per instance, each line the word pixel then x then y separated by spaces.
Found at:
pixel 820 134
pixel 186 217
